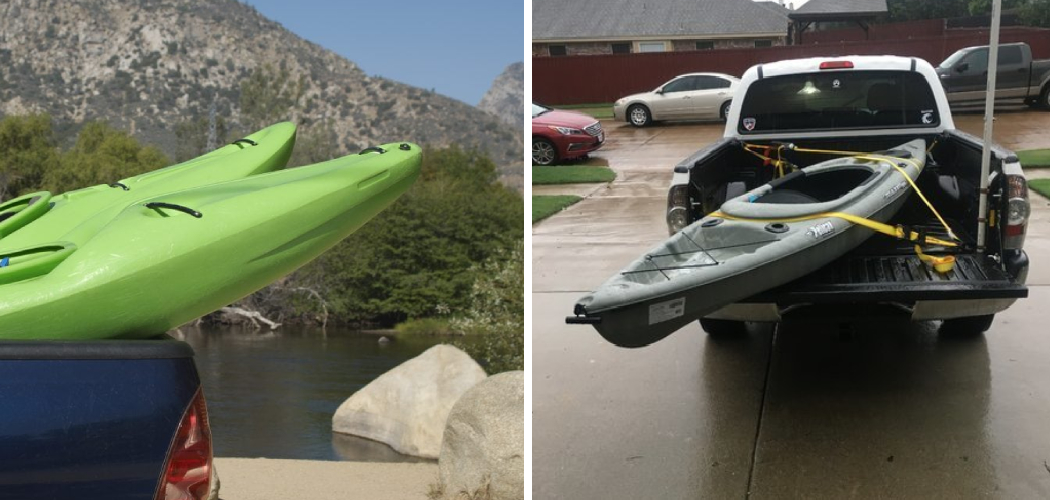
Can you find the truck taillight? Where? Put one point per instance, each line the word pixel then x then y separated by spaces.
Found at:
pixel 1017 211
pixel 187 469
pixel 677 208
pixel 836 65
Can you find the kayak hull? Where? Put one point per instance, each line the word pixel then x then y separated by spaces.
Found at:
pixel 153 269
pixel 751 245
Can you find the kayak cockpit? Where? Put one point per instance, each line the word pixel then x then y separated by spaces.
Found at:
pixel 816 187
pixel 16 213
pixel 31 262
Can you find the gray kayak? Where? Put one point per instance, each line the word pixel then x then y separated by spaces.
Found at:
pixel 764 238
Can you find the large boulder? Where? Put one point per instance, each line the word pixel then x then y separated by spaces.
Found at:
pixel 484 445
pixel 406 407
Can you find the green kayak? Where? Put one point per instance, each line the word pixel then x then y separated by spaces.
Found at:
pixel 75 216
pixel 167 259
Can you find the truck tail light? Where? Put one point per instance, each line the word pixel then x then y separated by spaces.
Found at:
pixel 677 208
pixel 187 469
pixel 836 65
pixel 1017 211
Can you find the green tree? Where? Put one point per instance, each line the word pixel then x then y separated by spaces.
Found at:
pixel 27 150
pixel 497 312
pixel 193 136
pixel 910 10
pixel 984 7
pixel 269 95
pixel 1036 13
pixel 101 154
pixel 416 255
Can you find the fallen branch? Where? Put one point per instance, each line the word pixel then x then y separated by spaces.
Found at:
pixel 255 317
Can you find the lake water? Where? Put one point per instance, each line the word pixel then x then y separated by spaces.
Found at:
pixel 273 394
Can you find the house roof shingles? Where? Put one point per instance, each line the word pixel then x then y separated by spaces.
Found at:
pixel 870 7
pixel 619 19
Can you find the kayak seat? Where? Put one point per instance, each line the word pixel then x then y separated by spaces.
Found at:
pixel 787 197
pixel 816 187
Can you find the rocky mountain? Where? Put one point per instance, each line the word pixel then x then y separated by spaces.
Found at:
pixel 506 97
pixel 155 67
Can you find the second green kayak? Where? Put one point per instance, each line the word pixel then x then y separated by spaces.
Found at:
pixel 76 216
pixel 167 259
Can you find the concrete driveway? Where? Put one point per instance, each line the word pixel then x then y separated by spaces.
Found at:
pixel 873 410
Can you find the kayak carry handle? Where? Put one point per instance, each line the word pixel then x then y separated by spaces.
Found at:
pixel 155 205
pixel 119 185
pixel 246 141
pixel 372 149
pixel 583 320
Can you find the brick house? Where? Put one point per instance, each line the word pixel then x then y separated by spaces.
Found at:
pixel 588 27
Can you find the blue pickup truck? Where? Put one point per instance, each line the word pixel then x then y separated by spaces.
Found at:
pixel 112 419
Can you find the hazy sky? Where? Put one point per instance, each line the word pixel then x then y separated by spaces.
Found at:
pixel 456 47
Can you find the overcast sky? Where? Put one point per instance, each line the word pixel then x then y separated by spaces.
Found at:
pixel 455 47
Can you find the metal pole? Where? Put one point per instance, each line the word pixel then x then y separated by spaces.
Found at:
pixel 989 109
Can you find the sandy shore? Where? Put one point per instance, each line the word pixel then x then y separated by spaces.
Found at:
pixel 264 479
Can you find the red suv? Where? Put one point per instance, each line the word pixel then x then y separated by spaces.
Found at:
pixel 561 135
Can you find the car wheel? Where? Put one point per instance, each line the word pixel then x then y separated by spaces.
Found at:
pixel 724 113
pixel 723 327
pixel 971 326
pixel 543 152
pixel 638 115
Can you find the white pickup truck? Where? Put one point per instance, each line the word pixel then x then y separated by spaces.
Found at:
pixel 868 103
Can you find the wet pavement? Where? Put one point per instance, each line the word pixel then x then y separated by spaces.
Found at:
pixel 815 410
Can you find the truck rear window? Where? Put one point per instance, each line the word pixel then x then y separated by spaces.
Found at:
pixel 836 100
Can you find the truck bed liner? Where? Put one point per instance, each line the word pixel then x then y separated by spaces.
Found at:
pixel 896 278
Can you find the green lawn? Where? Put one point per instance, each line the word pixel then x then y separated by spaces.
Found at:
pixel 1041 186
pixel 602 111
pixel 1034 158
pixel 571 175
pixel 546 206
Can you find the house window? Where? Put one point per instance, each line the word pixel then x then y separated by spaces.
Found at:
pixel 652 46
pixel 621 48
pixel 705 45
pixel 556 50
pixel 763 43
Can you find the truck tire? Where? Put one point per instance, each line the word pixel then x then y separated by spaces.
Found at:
pixel 970 326
pixel 723 327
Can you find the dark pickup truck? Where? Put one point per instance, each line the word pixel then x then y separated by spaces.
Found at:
pixel 103 419
pixel 868 103
pixel 1020 79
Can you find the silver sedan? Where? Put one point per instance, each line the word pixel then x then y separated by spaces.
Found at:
pixel 693 96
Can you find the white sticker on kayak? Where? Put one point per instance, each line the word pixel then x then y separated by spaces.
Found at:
pixel 893 190
pixel 821 230
pixel 663 311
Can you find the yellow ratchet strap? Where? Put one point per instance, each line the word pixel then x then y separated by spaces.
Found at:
pixel 886 159
pixel 941 264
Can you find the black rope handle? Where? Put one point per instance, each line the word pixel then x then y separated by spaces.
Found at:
pixel 246 141
pixel 376 149
pixel 118 185
pixel 155 205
